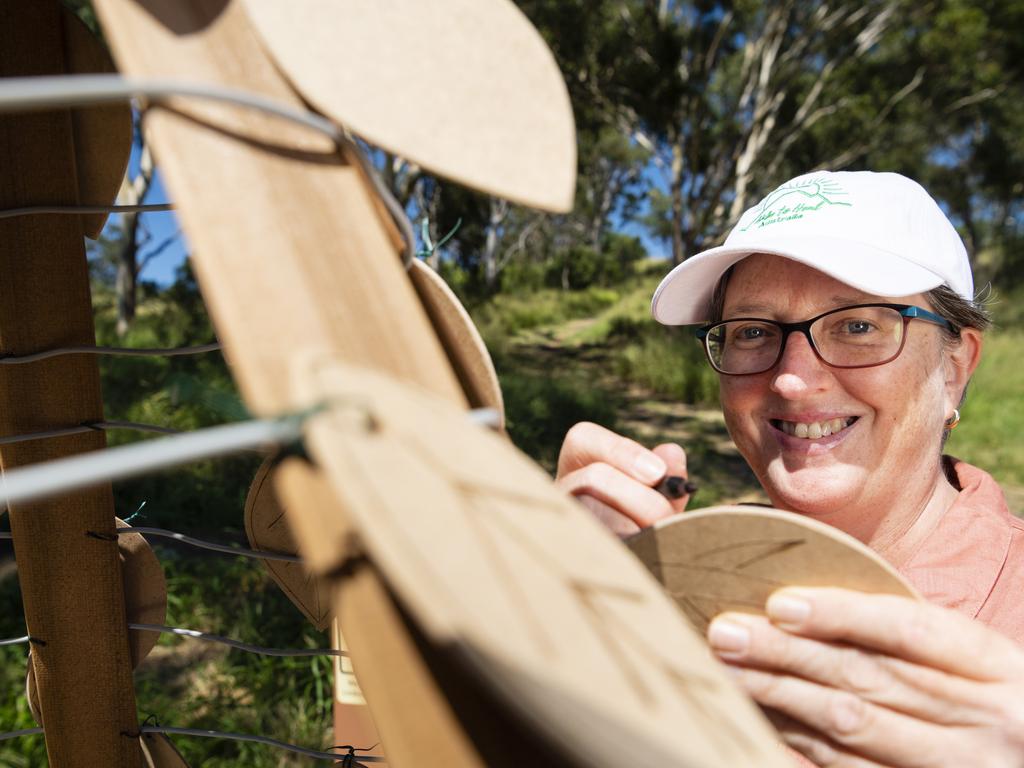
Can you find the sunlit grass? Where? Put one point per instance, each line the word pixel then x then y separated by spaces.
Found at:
pixel 992 424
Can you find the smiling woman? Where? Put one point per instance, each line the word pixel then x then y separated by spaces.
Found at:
pixel 841 319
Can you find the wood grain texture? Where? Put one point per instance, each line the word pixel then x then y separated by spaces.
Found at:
pixel 414 719
pixel 521 584
pixel 446 546
pixel 288 244
pixel 482 101
pixel 732 558
pixel 71 584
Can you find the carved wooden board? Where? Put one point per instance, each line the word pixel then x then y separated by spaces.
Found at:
pixel 495 570
pixel 521 583
pixel 732 558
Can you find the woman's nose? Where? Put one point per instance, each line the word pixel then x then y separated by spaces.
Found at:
pixel 800 370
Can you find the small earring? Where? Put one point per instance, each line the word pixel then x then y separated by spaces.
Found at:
pixel 953 420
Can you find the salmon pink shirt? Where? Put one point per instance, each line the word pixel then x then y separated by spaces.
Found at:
pixel 973 562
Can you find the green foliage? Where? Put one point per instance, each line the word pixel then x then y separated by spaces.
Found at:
pixel 993 415
pixel 669 361
pixel 540 409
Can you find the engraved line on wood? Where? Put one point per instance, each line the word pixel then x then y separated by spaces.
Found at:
pixel 772 547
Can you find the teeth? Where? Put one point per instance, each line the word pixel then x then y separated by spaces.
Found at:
pixel 815 429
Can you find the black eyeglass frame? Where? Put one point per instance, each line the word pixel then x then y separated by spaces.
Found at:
pixel 907 311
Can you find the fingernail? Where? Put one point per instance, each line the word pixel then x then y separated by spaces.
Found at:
pixel 788 610
pixel 649 468
pixel 728 638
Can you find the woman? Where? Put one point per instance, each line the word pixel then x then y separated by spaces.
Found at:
pixel 842 323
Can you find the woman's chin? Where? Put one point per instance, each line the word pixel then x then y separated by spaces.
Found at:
pixel 817 492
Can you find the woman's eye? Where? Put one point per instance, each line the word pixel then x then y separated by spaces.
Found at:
pixel 857 326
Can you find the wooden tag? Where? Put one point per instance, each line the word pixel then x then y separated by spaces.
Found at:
pixel 465 88
pixel 532 597
pixel 732 558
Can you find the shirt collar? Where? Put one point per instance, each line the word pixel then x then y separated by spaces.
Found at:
pixel 958 563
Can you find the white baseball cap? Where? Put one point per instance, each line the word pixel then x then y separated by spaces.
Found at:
pixel 881 233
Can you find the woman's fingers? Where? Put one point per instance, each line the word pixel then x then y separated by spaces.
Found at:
pixel 615 477
pixel 860 728
pixel 619 491
pixel 588 443
pixel 675 462
pixel 610 517
pixel 918 632
pixel 921 692
pixel 811 749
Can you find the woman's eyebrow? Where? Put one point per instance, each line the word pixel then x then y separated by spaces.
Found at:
pixel 837 301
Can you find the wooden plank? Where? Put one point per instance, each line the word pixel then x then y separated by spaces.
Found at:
pixel 71 584
pixel 289 248
pixel 512 589
pixel 292 256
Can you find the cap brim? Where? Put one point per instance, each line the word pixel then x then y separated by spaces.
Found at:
pixel 684 295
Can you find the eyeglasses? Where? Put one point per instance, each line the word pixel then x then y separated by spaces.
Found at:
pixel 860 336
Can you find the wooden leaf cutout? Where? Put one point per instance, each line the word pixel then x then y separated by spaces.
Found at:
pixel 461 339
pixel 732 558
pixel 267 529
pixel 540 600
pixel 159 752
pixel 466 88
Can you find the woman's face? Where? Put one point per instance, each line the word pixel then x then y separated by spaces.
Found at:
pixel 897 409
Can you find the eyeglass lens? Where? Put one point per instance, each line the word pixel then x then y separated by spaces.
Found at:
pixel 850 337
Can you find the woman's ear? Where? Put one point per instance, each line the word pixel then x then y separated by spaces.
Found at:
pixel 961 360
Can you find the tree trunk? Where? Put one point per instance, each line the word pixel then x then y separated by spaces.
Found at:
pixel 678 221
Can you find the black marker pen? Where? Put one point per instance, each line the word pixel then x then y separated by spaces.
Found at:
pixel 675 487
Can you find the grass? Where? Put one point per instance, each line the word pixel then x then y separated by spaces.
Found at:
pixel 989 434
pixel 581 350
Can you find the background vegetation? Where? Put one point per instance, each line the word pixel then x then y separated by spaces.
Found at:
pixel 687 112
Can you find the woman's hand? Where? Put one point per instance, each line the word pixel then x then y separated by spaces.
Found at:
pixel 614 476
pixel 861 680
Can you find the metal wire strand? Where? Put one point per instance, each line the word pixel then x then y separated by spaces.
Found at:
pixel 31 210
pixel 18 734
pixel 57 476
pixel 24 93
pixel 257 649
pixel 257 739
pixel 14 640
pixel 241 552
pixel 114 351
pixel 92 426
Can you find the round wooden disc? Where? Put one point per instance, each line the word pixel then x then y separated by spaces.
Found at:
pixel 267 529
pixel 102 134
pixel 732 558
pixel 466 349
pixel 466 88
pixel 521 589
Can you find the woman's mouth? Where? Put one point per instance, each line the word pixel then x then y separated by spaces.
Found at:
pixel 815 429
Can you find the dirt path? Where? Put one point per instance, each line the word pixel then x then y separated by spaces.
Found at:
pixel 714 463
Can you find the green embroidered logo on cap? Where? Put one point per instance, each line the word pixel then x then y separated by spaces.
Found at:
pixel 795 200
